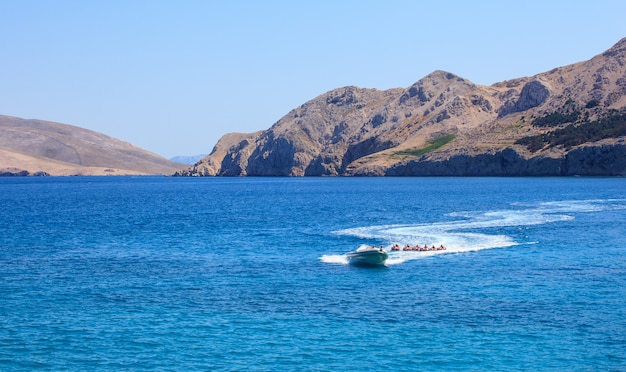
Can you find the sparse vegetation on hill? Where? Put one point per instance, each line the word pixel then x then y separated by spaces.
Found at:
pixel 556 118
pixel 612 126
pixel 433 145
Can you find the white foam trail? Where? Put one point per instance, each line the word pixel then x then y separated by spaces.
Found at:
pixel 339 259
pixel 457 236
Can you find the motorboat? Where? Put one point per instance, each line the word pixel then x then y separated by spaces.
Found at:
pixel 367 256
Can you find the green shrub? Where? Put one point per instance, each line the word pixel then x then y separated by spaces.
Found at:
pixel 430 147
pixel 593 103
pixel 612 126
pixel 556 118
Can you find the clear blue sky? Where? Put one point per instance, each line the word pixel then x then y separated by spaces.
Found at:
pixel 174 76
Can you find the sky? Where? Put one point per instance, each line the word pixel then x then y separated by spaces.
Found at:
pixel 173 77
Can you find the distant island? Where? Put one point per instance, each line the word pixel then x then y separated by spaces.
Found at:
pixel 568 121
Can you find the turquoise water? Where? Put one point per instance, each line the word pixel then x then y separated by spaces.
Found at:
pixel 250 274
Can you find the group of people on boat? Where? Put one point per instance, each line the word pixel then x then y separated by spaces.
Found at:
pixel 425 248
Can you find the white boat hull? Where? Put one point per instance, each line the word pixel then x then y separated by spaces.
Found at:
pixel 369 257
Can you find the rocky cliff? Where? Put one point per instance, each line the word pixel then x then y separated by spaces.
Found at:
pixel 36 147
pixel 446 125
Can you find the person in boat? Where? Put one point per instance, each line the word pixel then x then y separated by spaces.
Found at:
pixel 406 248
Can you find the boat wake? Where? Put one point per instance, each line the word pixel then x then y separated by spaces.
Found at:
pixel 467 232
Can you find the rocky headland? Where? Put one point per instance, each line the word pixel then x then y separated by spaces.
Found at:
pixel 567 121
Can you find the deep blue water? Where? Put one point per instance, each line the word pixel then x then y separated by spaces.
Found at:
pixel 249 274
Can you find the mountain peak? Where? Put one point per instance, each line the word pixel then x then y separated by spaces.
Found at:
pixel 441 75
pixel 618 48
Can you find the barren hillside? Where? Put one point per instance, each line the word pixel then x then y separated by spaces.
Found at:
pixel 446 125
pixel 42 147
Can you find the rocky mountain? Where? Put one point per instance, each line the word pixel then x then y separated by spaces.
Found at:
pixel 567 121
pixel 36 147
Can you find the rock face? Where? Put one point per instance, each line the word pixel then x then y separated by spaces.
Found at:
pixel 533 94
pixel 441 125
pixel 39 148
pixel 604 160
pixel 601 160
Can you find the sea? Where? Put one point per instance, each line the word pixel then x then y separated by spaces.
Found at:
pixel 250 274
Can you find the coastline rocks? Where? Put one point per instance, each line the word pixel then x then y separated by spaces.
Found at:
pixel 14 172
pixel 603 160
pixel 502 163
